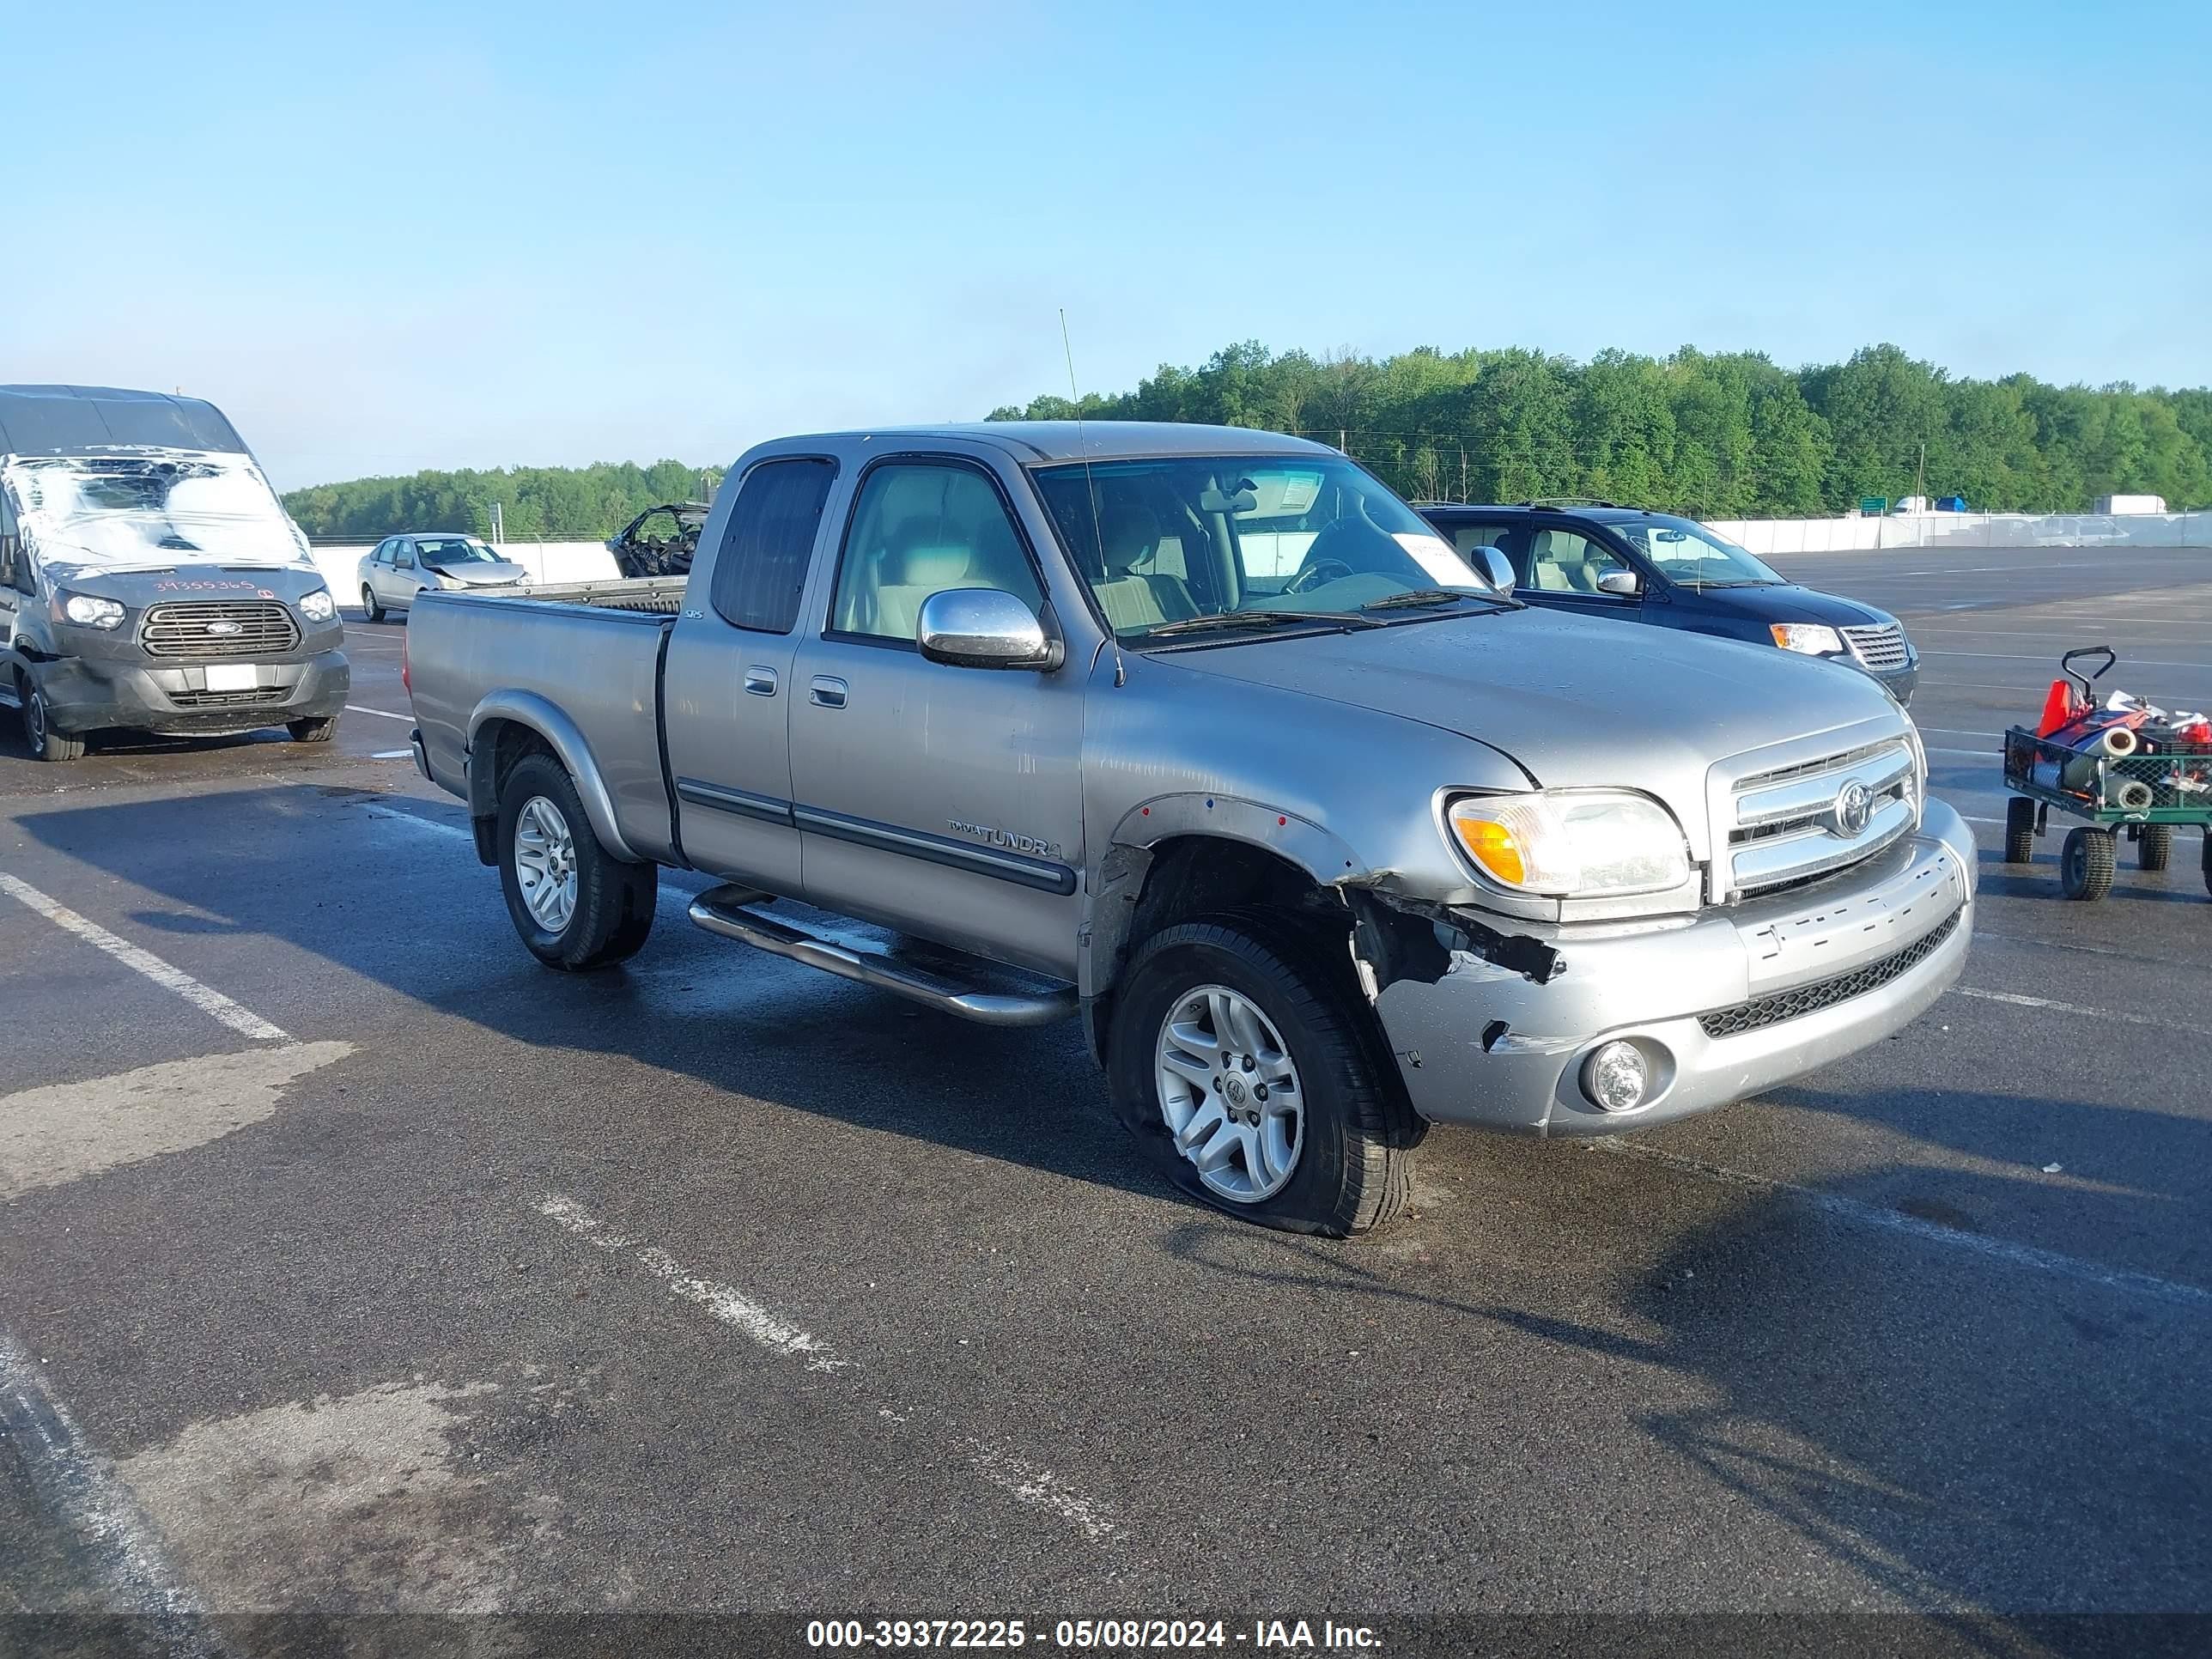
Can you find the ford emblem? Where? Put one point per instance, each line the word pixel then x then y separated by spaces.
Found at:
pixel 1854 807
pixel 226 629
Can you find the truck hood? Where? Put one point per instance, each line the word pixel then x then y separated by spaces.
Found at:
pixel 137 586
pixel 1576 703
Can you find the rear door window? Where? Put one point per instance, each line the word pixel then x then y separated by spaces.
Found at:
pixel 760 571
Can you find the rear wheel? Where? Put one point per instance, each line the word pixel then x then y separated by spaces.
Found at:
pixel 2155 849
pixel 2020 830
pixel 368 603
pixel 2085 864
pixel 2204 859
pixel 1250 1078
pixel 39 734
pixel 312 731
pixel 576 906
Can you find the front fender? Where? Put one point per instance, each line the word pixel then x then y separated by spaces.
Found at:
pixel 1321 853
pixel 536 713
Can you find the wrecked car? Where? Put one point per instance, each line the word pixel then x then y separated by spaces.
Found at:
pixel 1202 736
pixel 150 580
pixel 660 541
pixel 398 567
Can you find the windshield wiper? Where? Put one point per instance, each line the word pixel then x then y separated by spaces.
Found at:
pixel 1218 621
pixel 1420 597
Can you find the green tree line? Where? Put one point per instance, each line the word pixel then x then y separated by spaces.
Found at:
pixel 538 503
pixel 1716 436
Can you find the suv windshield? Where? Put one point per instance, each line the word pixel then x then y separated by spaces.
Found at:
pixel 1691 554
pixel 455 550
pixel 1274 539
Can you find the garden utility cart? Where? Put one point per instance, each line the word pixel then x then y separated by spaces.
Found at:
pixel 2124 770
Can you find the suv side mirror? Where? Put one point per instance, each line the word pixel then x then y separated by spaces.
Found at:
pixel 1495 566
pixel 984 627
pixel 1622 584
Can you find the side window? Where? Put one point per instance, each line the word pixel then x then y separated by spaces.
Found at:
pixel 402 554
pixel 9 553
pixel 918 529
pixel 1561 562
pixel 382 554
pixel 762 569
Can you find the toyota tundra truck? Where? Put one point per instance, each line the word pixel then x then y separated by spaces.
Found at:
pixel 1202 736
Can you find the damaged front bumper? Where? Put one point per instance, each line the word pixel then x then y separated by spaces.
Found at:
pixel 1722 1005
pixel 90 694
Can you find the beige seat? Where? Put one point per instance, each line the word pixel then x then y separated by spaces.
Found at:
pixel 1135 593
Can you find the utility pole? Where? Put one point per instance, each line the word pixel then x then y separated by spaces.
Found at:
pixel 1920 477
pixel 1463 472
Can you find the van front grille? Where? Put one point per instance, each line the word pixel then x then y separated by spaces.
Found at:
pixel 202 630
pixel 1879 649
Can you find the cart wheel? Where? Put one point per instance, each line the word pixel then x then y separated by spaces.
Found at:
pixel 2154 846
pixel 2205 859
pixel 2085 864
pixel 2020 830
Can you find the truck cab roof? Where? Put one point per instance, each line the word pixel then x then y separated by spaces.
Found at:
pixel 1042 442
pixel 87 420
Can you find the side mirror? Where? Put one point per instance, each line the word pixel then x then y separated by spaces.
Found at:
pixel 1495 566
pixel 984 627
pixel 1622 584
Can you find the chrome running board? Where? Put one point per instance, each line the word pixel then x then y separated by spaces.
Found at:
pixel 725 911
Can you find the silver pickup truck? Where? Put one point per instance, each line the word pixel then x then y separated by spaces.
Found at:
pixel 1202 735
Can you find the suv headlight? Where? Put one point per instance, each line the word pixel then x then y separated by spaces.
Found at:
pixel 318 606
pixel 1811 639
pixel 87 611
pixel 1572 843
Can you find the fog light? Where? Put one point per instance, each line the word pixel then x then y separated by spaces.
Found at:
pixel 1615 1077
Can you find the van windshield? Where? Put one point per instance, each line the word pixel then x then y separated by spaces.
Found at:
pixel 150 509
pixel 1183 542
pixel 1692 555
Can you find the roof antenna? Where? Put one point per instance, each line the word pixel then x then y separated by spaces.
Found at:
pixel 1090 489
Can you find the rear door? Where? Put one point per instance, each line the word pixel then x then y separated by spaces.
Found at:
pixel 945 802
pixel 726 690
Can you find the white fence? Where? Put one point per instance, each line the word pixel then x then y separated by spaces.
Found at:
pixel 547 561
pixel 1969 530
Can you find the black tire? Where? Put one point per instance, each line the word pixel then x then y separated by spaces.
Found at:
pixel 614 900
pixel 1355 1155
pixel 2020 830
pixel 368 604
pixel 314 731
pixel 2155 850
pixel 2085 864
pixel 2205 859
pixel 39 734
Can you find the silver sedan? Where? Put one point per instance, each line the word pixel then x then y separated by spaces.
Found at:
pixel 399 566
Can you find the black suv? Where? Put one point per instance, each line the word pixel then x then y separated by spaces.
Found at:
pixel 1602 559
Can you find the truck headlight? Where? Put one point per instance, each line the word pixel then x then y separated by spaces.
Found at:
pixel 1579 843
pixel 1811 639
pixel 87 611
pixel 318 606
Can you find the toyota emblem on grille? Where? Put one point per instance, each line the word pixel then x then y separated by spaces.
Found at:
pixel 1854 807
pixel 226 629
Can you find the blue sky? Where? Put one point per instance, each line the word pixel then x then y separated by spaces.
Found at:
pixel 467 235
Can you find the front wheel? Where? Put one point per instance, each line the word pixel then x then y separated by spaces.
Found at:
pixel 314 731
pixel 2020 830
pixel 576 906
pixel 2085 864
pixel 369 603
pixel 1256 1084
pixel 44 743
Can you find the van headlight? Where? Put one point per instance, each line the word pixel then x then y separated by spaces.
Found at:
pixel 1572 843
pixel 87 611
pixel 1810 639
pixel 318 606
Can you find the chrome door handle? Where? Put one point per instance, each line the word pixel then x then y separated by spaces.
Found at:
pixel 761 682
pixel 829 691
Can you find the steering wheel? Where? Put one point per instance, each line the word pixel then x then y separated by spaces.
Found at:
pixel 1320 571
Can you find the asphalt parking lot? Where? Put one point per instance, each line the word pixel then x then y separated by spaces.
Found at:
pixel 352 1263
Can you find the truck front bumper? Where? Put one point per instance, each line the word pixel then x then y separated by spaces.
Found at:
pixel 88 693
pixel 1721 1005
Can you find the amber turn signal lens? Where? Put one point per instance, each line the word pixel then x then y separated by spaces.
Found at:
pixel 1491 846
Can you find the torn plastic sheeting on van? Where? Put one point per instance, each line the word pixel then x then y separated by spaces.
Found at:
pixel 146 508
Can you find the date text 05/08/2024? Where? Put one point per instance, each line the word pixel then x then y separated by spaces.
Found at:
pixel 1267 1635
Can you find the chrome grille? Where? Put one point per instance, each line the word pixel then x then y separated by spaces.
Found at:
pixel 264 628
pixel 1880 649
pixel 1790 824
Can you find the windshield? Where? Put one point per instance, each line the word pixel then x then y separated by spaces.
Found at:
pixel 1692 555
pixel 455 550
pixel 1268 537
pixel 150 509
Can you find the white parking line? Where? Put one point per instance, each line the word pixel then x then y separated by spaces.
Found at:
pixel 2101 1015
pixel 452 830
pixel 2011 656
pixel 81 1487
pixel 393 754
pixel 382 713
pixel 208 1000
pixel 1895 1221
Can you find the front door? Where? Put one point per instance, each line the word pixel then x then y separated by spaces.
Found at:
pixel 727 685
pixel 1563 569
pixel 944 802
